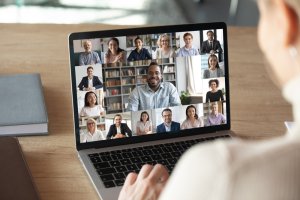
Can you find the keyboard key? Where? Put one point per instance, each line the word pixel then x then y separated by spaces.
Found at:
pixel 109 184
pixel 136 160
pixel 115 163
pixel 106 171
pixel 95 159
pixel 119 175
pixel 131 167
pixel 108 177
pixel 156 157
pixel 120 182
pixel 116 156
pixel 101 165
pixel 106 158
pixel 121 169
pixel 125 162
pixel 93 155
pixel 146 159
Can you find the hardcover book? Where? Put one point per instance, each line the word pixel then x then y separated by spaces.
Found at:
pixel 22 106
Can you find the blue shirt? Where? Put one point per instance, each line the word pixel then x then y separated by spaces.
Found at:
pixel 90 58
pixel 142 55
pixel 144 98
pixel 187 52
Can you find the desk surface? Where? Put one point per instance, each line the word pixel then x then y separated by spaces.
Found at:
pixel 257 108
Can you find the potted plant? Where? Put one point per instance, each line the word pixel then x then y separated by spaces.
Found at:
pixel 185 97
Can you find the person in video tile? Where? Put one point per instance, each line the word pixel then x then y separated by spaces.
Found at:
pixel 215 118
pixel 91 107
pixel 89 57
pixel 211 45
pixel 118 129
pixel 214 69
pixel 192 120
pixel 168 125
pixel 114 53
pixel 139 53
pixel 92 133
pixel 164 50
pixel 188 49
pixel 144 126
pixel 214 94
pixel 90 82
pixel 154 94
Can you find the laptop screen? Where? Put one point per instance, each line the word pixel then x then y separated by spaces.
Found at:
pixel 141 84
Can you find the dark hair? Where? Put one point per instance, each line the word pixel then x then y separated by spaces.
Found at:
pixel 137 38
pixel 186 111
pixel 213 80
pixel 86 103
pixel 89 67
pixel 210 32
pixel 144 112
pixel 210 56
pixel 117 115
pixel 117 41
pixel 187 34
pixel 154 64
pixel 166 110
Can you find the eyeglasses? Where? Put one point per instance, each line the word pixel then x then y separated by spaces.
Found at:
pixel 91 123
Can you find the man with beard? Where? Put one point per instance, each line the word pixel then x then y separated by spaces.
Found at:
pixel 155 94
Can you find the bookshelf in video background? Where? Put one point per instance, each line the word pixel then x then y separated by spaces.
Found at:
pixel 120 81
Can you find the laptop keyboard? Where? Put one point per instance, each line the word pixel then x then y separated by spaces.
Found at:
pixel 114 166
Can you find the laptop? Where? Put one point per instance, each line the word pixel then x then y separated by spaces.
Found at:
pixel 145 95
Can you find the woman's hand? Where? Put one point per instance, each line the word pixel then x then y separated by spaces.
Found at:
pixel 147 185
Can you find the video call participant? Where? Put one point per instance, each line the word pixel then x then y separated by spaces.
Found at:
pixel 114 53
pixel 91 106
pixel 164 50
pixel 92 133
pixel 214 94
pixel 154 94
pixel 89 57
pixel 144 126
pixel 188 49
pixel 90 82
pixel 192 120
pixel 211 45
pixel 118 129
pixel 214 117
pixel 168 125
pixel 139 53
pixel 214 69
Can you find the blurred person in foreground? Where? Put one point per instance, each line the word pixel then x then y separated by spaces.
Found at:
pixel 238 169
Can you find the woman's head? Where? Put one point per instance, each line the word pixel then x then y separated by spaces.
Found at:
pixel 90 99
pixel 163 41
pixel 91 125
pixel 113 45
pixel 191 112
pixel 117 119
pixel 144 116
pixel 280 45
pixel 213 62
pixel 213 83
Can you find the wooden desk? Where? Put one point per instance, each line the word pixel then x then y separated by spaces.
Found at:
pixel 258 110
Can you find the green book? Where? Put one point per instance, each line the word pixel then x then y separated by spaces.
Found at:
pixel 22 105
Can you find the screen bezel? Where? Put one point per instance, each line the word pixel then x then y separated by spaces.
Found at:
pixel 141 31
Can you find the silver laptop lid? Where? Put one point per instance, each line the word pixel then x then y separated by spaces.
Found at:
pixel 143 84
